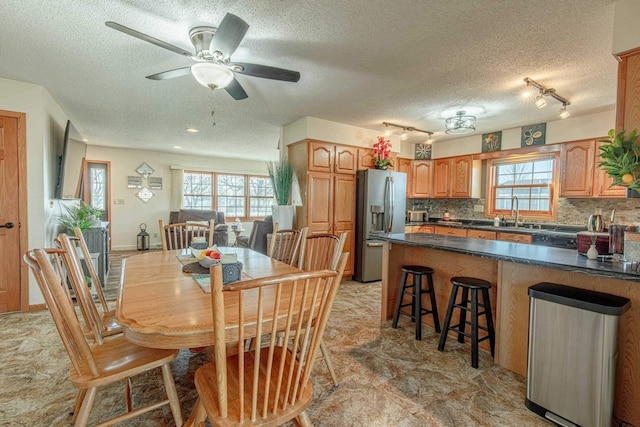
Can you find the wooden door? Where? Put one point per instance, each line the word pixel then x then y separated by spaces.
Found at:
pixel 10 250
pixel 320 156
pixel 366 159
pixel 344 213
pixel 577 169
pixel 404 165
pixel 346 159
pixel 461 170
pixel 441 178
pixel 422 178
pixel 319 202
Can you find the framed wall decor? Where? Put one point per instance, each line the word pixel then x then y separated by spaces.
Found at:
pixel 533 135
pixel 491 141
pixel 145 170
pixel 145 194
pixel 423 151
pixel 155 183
pixel 134 182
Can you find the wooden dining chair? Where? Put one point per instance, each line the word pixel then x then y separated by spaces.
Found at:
pixel 96 283
pixel 285 244
pixel 98 325
pixel 96 365
pixel 180 235
pixel 322 252
pixel 264 385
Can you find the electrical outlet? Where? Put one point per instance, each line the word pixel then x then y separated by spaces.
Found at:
pixel 478 208
pixel 118 201
pixel 155 235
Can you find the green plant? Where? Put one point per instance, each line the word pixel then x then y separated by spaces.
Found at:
pixel 281 174
pixel 621 158
pixel 82 216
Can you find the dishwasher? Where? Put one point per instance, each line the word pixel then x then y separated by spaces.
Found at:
pixel 572 354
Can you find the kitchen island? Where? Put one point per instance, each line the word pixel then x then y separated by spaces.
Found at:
pixel 512 268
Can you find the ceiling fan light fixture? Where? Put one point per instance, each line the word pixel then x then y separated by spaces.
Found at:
pixel 214 76
pixel 460 124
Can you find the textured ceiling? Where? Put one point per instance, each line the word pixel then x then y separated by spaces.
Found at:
pixel 361 62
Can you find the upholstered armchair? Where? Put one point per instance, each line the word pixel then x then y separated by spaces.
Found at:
pixel 220 233
pixel 257 240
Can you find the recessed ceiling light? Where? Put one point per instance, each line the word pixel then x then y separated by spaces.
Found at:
pixel 177 147
pixel 192 130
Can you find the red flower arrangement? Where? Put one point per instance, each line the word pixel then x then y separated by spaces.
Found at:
pixel 382 150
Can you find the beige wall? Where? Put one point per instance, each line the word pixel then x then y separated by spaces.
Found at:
pixel 45 130
pixel 126 218
pixel 626 31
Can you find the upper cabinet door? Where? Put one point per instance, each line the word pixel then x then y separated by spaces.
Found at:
pixel 345 159
pixel 461 172
pixel 441 178
pixel 422 179
pixel 404 165
pixel 320 156
pixel 366 158
pixel 577 169
pixel 628 102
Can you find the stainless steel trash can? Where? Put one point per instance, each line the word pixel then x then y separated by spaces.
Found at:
pixel 572 354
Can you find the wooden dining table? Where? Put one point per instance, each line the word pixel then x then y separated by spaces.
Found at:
pixel 160 306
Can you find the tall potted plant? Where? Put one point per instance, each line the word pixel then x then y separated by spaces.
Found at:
pixel 620 158
pixel 281 174
pixel 81 215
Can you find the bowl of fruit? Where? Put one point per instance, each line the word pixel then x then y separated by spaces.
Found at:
pixel 209 257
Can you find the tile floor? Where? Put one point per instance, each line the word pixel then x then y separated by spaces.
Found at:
pixel 387 378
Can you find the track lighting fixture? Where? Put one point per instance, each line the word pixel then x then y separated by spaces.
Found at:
pixel 541 102
pixel 405 130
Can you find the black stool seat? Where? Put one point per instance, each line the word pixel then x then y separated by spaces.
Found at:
pixel 471 282
pixel 417 269
pixel 415 291
pixel 470 287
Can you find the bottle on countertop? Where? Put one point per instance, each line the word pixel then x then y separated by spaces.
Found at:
pixel 503 221
pixel 496 221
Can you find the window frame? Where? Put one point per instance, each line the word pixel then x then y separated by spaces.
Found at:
pixel 214 192
pixel 492 164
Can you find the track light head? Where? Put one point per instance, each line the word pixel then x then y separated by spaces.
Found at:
pixel 563 112
pixel 540 101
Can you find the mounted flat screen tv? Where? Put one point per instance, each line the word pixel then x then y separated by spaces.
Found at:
pixel 71 164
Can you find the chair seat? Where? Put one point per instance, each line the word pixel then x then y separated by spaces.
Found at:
pixel 417 269
pixel 118 358
pixel 471 282
pixel 205 381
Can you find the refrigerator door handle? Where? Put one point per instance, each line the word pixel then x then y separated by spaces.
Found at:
pixel 388 202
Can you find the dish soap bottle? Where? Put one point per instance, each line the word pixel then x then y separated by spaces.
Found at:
pixel 496 221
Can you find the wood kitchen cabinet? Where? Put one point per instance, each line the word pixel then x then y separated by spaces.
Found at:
pixel 404 165
pixel 366 158
pixel 579 175
pixel 628 101
pixel 450 231
pixel 327 157
pixel 481 234
pixel 515 237
pixel 421 179
pixel 456 177
pixel 328 195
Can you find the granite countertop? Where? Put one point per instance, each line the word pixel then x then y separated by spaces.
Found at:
pixel 547 229
pixel 544 256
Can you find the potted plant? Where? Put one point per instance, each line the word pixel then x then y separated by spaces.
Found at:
pixel 382 151
pixel 282 174
pixel 621 158
pixel 81 215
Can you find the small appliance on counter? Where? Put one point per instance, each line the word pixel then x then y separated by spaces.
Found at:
pixel 417 216
pixel 585 239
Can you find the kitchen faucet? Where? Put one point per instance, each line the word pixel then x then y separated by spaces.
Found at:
pixel 515 199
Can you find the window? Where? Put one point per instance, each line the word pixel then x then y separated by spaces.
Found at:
pixel 531 179
pixel 242 196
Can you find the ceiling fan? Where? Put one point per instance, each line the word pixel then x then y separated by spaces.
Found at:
pixel 213 49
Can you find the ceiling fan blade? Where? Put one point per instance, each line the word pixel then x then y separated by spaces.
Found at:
pixel 229 34
pixel 149 39
pixel 236 91
pixel 266 72
pixel 165 75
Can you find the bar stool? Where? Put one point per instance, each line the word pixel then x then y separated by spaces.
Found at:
pixel 470 285
pixel 415 291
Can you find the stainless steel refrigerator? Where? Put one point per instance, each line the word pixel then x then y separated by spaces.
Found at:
pixel 380 208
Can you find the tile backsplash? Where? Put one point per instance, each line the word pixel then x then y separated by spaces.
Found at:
pixel 570 211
